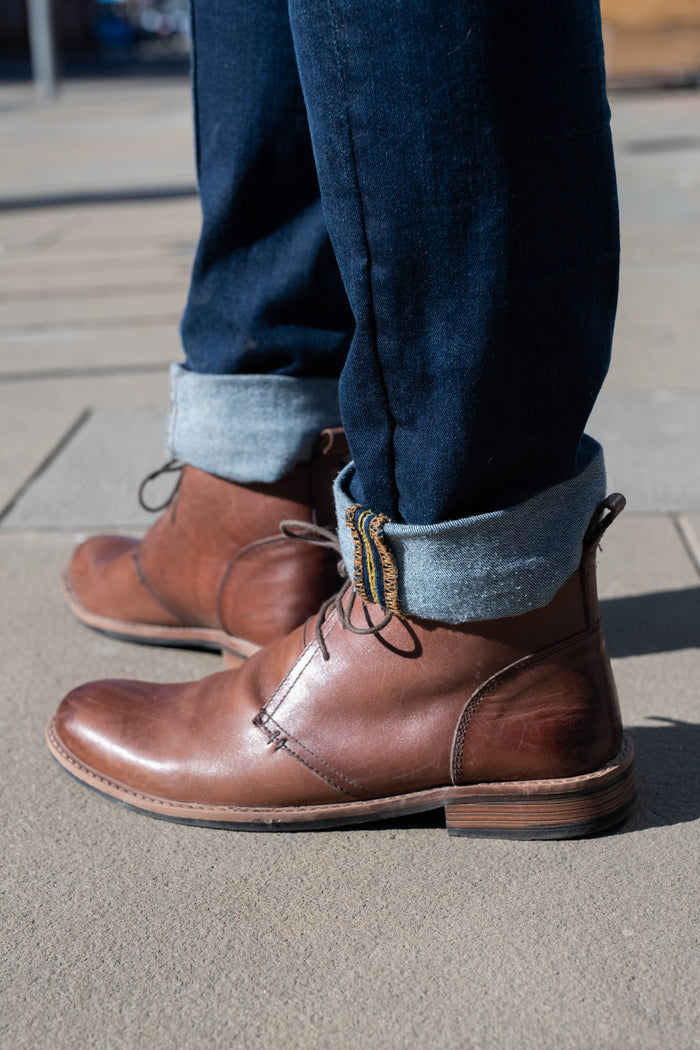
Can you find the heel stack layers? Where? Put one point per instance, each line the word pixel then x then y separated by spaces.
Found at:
pixel 548 809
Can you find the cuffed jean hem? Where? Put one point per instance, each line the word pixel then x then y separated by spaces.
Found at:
pixel 248 428
pixel 481 568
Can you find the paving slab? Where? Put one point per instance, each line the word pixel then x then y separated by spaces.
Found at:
pixel 57 349
pixel 27 439
pixel 33 280
pixel 658 163
pixel 650 441
pixel 76 238
pixel 138 932
pixel 650 590
pixel 657 348
pixel 643 554
pixel 640 117
pixel 108 289
pixel 102 250
pixel 30 230
pixel 76 391
pixel 92 135
pixel 28 226
pixel 649 242
pixel 160 219
pixel 689 527
pixel 657 192
pixel 78 311
pixel 94 483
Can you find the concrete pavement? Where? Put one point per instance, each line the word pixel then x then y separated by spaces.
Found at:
pixel 125 932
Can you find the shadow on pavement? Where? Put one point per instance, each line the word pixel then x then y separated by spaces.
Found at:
pixel 667 758
pixel 661 622
pixel 114 195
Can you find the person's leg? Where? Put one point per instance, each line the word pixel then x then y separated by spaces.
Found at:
pixel 265 331
pixel 466 167
pixel 462 151
pixel 267 322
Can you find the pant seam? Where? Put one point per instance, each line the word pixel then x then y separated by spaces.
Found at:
pixel 195 99
pixel 365 239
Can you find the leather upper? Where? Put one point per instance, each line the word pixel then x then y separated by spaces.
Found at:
pixel 415 705
pixel 216 557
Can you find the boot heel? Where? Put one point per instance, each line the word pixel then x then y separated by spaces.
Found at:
pixel 548 809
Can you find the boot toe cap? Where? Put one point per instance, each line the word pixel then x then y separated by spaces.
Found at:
pixel 94 570
pixel 101 733
pixel 104 588
pixel 91 722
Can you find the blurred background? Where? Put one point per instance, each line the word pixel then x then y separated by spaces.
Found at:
pixel 652 42
pixel 98 36
pixel 647 41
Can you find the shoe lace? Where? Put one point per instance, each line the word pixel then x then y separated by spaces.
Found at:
pixel 308 532
pixel 173 466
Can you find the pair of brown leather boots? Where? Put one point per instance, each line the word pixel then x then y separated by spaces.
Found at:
pixel 341 715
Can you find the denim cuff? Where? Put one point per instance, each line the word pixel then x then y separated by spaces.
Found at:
pixel 482 568
pixel 247 428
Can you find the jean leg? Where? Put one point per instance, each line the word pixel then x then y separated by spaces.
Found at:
pixel 466 168
pixel 267 321
pixel 266 295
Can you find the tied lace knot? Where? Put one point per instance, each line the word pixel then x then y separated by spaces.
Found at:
pixel 307 532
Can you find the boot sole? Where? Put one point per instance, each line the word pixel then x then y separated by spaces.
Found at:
pixel 210 639
pixel 569 807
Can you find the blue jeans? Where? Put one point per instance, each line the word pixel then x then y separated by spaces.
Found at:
pixel 416 202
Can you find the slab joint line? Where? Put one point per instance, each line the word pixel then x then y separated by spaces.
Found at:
pixel 688 538
pixel 82 372
pixel 46 462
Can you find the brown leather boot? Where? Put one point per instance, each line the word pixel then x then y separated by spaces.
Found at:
pixel 214 572
pixel 512 725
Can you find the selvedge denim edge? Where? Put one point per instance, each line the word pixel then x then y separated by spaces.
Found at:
pixel 489 566
pixel 247 428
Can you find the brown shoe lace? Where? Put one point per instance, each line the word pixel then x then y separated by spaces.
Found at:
pixel 307 532
pixel 171 467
